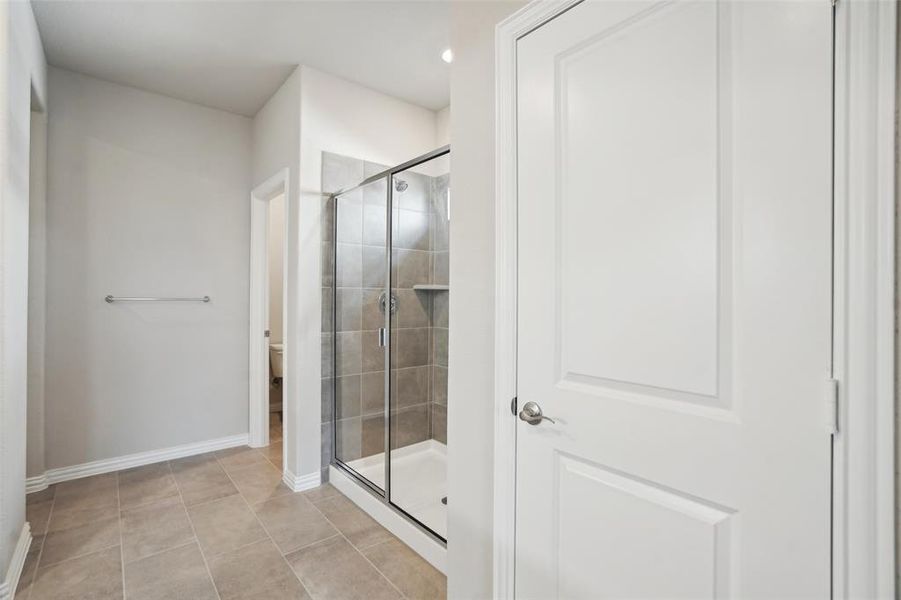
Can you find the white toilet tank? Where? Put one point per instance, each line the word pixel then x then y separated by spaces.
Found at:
pixel 276 357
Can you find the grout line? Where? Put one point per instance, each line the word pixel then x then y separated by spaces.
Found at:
pixel 357 550
pixel 121 543
pixel 148 503
pixel 322 541
pixel 266 531
pixel 196 540
pixel 82 555
pixel 158 552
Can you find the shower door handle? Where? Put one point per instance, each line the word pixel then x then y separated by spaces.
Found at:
pixel 531 414
pixel 383 337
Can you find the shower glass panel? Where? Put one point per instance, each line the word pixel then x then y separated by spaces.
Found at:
pixel 361 260
pixel 419 327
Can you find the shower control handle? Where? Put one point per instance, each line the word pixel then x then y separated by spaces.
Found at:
pixel 531 414
pixel 383 302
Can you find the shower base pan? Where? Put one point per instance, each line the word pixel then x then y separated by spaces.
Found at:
pixel 418 483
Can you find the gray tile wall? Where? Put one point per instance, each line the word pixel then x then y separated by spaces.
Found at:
pixel 440 225
pixel 420 255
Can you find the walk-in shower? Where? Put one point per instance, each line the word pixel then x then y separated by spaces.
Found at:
pixel 387 290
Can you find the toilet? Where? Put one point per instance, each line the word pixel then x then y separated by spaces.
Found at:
pixel 276 356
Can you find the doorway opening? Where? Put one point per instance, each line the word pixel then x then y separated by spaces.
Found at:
pixel 268 288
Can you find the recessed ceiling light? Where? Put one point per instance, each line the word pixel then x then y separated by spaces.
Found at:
pixel 448 56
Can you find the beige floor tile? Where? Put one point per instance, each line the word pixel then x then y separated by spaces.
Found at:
pixel 97 576
pixel 78 541
pixel 44 495
pixel 240 458
pixel 335 570
pixel 273 450
pixel 145 484
pixel 155 527
pixel 61 519
pixel 190 463
pixel 201 479
pixel 176 574
pixel 274 454
pixel 409 572
pixel 259 483
pixel 275 428
pixel 361 529
pixel 29 568
pixel 326 490
pixel 38 515
pixel 293 522
pixel 226 524
pixel 255 572
pixel 89 493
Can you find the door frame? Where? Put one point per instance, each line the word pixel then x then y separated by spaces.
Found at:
pixel 863 295
pixel 258 392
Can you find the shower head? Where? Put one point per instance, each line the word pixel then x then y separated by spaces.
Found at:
pixel 400 185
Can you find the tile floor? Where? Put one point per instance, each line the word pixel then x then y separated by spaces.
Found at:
pixel 215 526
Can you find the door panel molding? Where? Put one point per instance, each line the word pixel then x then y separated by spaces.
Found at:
pixel 864 299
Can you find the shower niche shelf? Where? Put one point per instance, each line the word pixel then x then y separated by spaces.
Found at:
pixel 431 287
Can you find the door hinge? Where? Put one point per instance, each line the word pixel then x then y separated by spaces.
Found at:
pixel 832 406
pixel 513 406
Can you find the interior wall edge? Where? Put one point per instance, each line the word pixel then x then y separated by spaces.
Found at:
pixel 22 72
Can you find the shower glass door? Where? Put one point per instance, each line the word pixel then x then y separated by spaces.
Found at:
pixel 420 197
pixel 360 352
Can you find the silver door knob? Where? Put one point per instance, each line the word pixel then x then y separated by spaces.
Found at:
pixel 531 414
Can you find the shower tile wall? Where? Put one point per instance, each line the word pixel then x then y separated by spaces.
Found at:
pixel 419 370
pixel 439 323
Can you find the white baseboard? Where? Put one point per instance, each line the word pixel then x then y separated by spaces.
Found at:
pixel 108 465
pixel 17 562
pixel 36 483
pixel 301 483
pixel 421 543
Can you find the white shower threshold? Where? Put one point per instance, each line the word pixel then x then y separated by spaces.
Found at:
pixel 419 482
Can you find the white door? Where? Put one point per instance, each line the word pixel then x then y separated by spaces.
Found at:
pixel 674 202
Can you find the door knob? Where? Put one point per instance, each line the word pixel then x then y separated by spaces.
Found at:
pixel 531 414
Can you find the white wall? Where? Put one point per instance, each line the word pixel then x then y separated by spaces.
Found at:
pixel 147 196
pixel 345 118
pixel 22 68
pixel 442 126
pixel 37 294
pixel 276 266
pixel 470 428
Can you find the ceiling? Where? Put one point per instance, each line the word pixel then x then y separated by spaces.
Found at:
pixel 233 55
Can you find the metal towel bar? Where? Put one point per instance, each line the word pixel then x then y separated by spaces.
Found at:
pixel 110 299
